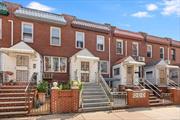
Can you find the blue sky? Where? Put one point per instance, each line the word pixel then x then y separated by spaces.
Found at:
pixel 156 17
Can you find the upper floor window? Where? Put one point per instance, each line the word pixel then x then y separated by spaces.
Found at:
pixel 173 54
pixel 0 28
pixel 55 64
pixel 135 49
pixel 103 67
pixel 149 51
pixel 55 36
pixel 119 47
pixel 161 52
pixel 80 40
pixel 27 32
pixel 100 43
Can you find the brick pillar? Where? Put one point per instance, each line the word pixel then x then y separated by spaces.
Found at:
pixel 175 97
pixel 138 98
pixel 75 100
pixel 54 100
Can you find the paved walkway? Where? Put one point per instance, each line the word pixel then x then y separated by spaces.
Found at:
pixel 154 113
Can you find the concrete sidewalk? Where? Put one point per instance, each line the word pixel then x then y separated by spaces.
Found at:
pixel 153 113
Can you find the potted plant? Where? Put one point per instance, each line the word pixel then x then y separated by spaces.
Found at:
pixel 42 88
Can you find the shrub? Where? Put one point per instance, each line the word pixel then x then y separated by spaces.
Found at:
pixel 64 86
pixel 42 87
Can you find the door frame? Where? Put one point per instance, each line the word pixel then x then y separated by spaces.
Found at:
pixel 165 77
pixel 85 71
pixel 130 82
pixel 23 67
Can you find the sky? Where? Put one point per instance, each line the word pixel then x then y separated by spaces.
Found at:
pixel 155 17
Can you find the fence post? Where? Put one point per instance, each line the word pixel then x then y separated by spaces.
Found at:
pixel 54 98
pixel 75 97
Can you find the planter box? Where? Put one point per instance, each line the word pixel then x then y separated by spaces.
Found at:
pixel 42 97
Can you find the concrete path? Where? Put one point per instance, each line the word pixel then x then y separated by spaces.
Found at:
pixel 153 113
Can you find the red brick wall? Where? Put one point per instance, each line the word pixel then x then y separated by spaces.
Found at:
pixel 63 101
pixel 135 101
pixel 175 95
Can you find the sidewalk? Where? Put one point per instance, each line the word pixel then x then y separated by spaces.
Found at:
pixel 154 113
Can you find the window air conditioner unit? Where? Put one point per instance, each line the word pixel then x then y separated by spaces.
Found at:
pixel 141 59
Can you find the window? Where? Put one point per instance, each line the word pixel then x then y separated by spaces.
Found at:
pixel 149 75
pixel 47 62
pixel 79 40
pixel 104 67
pixel 55 36
pixel 173 73
pixel 0 28
pixel 100 43
pixel 116 71
pixel 135 49
pixel 84 66
pixel 119 47
pixel 149 51
pixel 22 60
pixel 27 32
pixel 161 52
pixel 55 64
pixel 173 54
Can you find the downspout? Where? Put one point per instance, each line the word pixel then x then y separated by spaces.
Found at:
pixel 12 31
pixel 109 57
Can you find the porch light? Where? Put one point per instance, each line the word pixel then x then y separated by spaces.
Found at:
pixel 3 9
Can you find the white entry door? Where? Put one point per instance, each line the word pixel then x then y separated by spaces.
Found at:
pixel 84 71
pixel 22 65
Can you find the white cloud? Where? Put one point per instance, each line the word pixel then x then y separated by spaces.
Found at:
pixel 171 7
pixel 39 6
pixel 151 7
pixel 141 14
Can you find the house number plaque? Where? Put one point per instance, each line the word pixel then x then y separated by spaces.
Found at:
pixel 139 95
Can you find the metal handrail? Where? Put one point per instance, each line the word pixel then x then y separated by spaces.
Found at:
pixel 156 90
pixel 28 90
pixel 172 83
pixel 105 87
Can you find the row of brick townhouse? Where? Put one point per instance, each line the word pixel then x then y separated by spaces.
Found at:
pixel 72 48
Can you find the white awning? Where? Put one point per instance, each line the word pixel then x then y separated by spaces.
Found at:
pixel 172 66
pixel 87 57
pixel 13 50
pixel 134 63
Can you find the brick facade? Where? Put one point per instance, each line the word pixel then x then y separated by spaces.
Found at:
pixel 41 41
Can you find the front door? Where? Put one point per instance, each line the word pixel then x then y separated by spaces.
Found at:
pixel 84 71
pixel 130 74
pixel 162 76
pixel 22 64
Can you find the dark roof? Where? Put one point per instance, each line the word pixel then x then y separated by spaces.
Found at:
pixel 152 63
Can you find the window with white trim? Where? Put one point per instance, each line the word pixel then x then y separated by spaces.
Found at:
pixel 55 64
pixel 119 47
pixel 135 49
pixel 149 74
pixel 27 32
pixel 161 52
pixel 100 46
pixel 80 40
pixel 0 28
pixel 149 51
pixel 116 71
pixel 55 36
pixel 103 67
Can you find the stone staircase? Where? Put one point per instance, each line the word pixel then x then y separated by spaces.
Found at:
pixel 154 100
pixel 94 98
pixel 13 100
